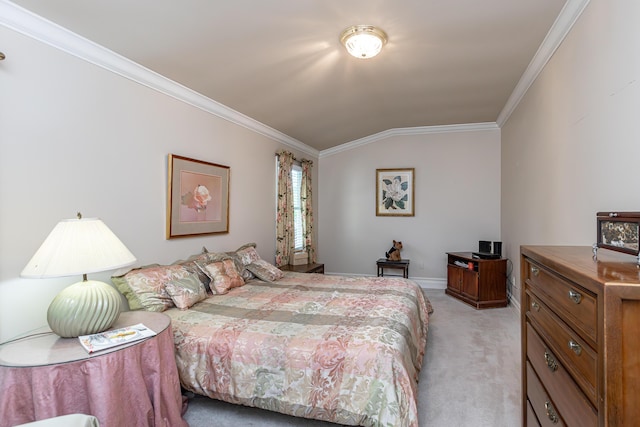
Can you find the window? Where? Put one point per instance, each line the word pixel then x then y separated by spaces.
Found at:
pixel 296 180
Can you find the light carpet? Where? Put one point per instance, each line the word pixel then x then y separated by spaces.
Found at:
pixel 470 376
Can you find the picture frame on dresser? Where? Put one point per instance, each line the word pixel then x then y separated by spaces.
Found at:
pixel 619 231
pixel 198 197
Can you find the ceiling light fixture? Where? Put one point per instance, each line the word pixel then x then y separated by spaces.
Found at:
pixel 363 41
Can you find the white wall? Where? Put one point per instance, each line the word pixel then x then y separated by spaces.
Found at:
pixel 76 137
pixel 457 201
pixel 572 146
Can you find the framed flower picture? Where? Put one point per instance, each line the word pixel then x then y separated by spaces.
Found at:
pixel 395 192
pixel 198 197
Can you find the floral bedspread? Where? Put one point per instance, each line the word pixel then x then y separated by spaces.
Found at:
pixel 342 349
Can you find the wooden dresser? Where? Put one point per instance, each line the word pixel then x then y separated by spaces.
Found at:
pixel 580 337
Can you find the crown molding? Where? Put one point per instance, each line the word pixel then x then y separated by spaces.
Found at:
pixel 554 38
pixel 421 130
pixel 29 24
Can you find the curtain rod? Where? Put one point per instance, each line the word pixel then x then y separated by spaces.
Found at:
pixel 293 157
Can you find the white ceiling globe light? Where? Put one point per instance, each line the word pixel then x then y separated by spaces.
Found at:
pixel 363 41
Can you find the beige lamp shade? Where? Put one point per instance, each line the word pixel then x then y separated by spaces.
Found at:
pixel 78 247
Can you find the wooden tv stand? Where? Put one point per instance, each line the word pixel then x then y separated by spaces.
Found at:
pixel 481 283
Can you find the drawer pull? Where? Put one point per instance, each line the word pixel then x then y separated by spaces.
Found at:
pixel 535 305
pixel 535 270
pixel 577 349
pixel 551 361
pixel 575 296
pixel 551 412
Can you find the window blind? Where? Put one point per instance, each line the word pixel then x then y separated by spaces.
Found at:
pixel 296 180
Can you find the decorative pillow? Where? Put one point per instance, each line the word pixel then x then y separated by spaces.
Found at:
pixel 245 255
pixel 223 274
pixel 205 256
pixel 145 288
pixel 265 271
pixel 187 291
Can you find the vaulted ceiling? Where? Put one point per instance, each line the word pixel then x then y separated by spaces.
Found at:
pixel 281 63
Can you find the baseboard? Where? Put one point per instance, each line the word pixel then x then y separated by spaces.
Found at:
pixel 515 305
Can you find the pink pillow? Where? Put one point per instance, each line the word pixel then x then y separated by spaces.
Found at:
pixel 224 275
pixel 145 288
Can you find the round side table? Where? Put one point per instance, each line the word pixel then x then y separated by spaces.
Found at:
pixel 136 384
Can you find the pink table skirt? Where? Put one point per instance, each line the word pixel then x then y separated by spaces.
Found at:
pixel 134 386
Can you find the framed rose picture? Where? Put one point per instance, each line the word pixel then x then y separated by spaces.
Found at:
pixel 198 197
pixel 395 192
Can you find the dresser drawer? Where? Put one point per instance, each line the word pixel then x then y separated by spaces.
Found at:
pixel 577 306
pixel 577 356
pixel 567 396
pixel 532 420
pixel 540 402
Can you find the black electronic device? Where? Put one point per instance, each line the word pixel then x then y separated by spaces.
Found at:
pixel 497 248
pixel 485 255
pixel 484 246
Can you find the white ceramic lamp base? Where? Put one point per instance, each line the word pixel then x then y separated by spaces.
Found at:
pixel 86 307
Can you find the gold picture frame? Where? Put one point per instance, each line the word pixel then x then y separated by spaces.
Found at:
pixel 198 197
pixel 395 192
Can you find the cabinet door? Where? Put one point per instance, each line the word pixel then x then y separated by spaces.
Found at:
pixel 470 283
pixel 454 278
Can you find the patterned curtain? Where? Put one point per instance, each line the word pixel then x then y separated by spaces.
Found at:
pixel 307 211
pixel 284 210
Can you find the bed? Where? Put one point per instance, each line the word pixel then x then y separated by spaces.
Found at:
pixel 347 350
pixel 339 349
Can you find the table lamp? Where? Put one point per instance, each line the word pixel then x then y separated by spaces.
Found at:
pixel 79 247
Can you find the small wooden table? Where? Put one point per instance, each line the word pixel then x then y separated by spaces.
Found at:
pixel 403 265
